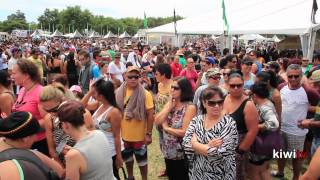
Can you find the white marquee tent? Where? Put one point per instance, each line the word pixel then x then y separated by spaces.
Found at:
pixel 124 35
pixel 290 17
pixel 110 35
pixel 57 33
pixel 250 37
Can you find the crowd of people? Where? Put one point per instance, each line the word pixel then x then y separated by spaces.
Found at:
pixel 85 109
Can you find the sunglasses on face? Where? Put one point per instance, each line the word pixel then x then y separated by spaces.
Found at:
pixel 215 77
pixel 133 77
pixel 212 103
pixel 294 76
pixel 235 85
pixel 176 88
pixel 248 63
pixel 54 109
pixel 225 74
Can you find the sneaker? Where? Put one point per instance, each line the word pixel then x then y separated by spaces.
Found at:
pixel 276 174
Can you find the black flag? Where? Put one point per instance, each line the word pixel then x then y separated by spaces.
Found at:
pixel 314 11
pixel 175 22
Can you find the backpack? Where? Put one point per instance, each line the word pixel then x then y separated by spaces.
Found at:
pixel 28 156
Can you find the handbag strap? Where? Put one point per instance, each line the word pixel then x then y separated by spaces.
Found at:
pixel 124 173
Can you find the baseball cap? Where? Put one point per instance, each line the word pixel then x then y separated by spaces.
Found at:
pixel 315 77
pixel 133 68
pixel 76 88
pixel 212 72
pixel 211 60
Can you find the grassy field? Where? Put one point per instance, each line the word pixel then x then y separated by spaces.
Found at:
pixel 156 162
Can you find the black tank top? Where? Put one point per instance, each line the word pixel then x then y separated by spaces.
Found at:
pixel 31 171
pixel 55 70
pixel 238 116
pixel 71 67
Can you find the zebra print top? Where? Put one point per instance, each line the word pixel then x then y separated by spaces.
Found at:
pixel 220 162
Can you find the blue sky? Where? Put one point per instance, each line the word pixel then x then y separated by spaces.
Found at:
pixel 114 8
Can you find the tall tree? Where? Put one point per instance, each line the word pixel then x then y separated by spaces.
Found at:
pixel 49 17
pixel 18 15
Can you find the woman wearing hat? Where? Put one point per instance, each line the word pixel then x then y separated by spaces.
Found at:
pixel 116 68
pixel 19 130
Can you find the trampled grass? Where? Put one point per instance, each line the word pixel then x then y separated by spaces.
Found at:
pixel 156 162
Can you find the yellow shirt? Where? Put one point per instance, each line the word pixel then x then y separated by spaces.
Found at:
pixel 134 130
pixel 38 63
pixel 165 88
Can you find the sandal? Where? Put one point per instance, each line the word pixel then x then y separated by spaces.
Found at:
pixel 276 174
pixel 163 173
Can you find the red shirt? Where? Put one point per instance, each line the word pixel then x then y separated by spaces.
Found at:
pixel 176 68
pixel 192 77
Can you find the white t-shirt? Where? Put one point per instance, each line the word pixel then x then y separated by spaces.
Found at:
pixel 115 70
pixel 12 61
pixel 294 108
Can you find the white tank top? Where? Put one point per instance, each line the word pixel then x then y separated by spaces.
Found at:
pixel 102 124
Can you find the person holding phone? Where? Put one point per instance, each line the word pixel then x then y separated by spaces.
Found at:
pixel 211 140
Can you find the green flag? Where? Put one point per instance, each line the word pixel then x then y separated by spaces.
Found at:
pixel 224 17
pixel 145 21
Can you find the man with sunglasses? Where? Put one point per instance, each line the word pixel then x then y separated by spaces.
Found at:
pixel 136 103
pixel 295 106
pixel 213 77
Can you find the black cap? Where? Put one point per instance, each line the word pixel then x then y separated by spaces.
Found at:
pixel 19 125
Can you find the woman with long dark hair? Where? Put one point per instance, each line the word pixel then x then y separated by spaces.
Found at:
pixel 175 118
pixel 107 118
pixel 6 94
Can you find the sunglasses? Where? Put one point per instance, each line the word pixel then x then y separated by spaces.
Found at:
pixel 248 63
pixel 235 85
pixel 54 109
pixel 176 88
pixel 294 76
pixel 215 103
pixel 215 77
pixel 133 77
pixel 225 74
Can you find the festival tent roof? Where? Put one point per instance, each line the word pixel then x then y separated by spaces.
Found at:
pixel 76 34
pixel 124 35
pixel 275 39
pixel 94 35
pixel 290 17
pixel 140 33
pixel 250 37
pixel 36 33
pixel 57 33
pixel 110 35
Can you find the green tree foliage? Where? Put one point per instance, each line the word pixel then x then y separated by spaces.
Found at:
pixel 75 18
pixel 16 20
